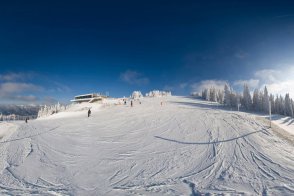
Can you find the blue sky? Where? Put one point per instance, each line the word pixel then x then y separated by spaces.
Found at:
pixel 53 50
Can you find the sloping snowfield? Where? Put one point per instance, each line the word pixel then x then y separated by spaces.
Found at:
pixel 184 147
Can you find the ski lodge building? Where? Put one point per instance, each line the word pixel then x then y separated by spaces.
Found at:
pixel 90 98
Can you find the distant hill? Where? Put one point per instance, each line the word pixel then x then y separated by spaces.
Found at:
pixel 22 110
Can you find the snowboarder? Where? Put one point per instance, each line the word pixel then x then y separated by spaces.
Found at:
pixel 89 113
pixel 132 103
pixel 26 120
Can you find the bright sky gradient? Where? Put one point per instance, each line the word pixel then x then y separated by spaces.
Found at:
pixel 53 50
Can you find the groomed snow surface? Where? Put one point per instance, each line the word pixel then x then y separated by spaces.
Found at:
pixel 184 147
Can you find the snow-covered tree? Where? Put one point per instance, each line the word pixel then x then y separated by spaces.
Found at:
pixel 265 100
pixel 255 101
pixel 136 95
pixel 247 101
pixel 227 95
pixel 220 97
pixel 207 95
pixel 213 96
pixel 288 106
pixel 49 110
pixel 259 102
pixel 281 105
pixel 157 93
pixel 272 102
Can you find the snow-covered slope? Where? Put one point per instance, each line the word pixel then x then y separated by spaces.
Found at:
pixel 183 147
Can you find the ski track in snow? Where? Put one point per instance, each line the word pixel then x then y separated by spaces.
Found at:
pixel 185 147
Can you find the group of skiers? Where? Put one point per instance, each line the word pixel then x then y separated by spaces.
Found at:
pixel 132 102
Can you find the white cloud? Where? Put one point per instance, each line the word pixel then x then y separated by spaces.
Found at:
pixel 18 92
pixel 21 87
pixel 252 83
pixel 133 77
pixel 10 88
pixel 278 81
pixel 199 86
pixel 268 75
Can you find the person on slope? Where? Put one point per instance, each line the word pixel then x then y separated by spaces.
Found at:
pixel 89 112
pixel 132 103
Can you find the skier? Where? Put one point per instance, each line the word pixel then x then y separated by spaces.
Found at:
pixel 89 113
pixel 125 102
pixel 132 103
pixel 26 120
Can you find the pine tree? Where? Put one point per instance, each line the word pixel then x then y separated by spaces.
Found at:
pixel 213 94
pixel 233 99
pixel 272 101
pixel 277 105
pixel 207 98
pixel 205 94
pixel 281 105
pixel 247 101
pixel 227 95
pixel 265 101
pixel 288 106
pixel 220 97
pixel 255 104
pixel 260 101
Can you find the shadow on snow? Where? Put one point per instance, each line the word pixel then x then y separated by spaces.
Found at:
pixel 204 143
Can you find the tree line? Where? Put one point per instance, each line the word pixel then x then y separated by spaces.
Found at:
pixel 260 101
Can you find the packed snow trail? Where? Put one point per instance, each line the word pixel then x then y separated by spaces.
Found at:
pixel 184 147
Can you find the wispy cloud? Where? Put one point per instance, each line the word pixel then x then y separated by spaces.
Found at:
pixel 19 92
pixel 49 100
pixel 134 78
pixel 58 87
pixel 177 88
pixel 183 85
pixel 241 54
pixel 252 83
pixel 199 86
pixel 11 88
pixel 16 76
pixel 29 87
